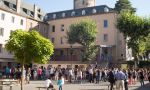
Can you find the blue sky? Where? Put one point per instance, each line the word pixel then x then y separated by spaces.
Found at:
pixel 142 6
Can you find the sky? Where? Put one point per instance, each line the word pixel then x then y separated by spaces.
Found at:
pixel 142 6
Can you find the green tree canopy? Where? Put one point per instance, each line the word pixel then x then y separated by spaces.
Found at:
pixel 135 29
pixel 84 33
pixel 124 5
pixel 29 47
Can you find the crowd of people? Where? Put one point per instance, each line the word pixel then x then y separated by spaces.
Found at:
pixel 92 74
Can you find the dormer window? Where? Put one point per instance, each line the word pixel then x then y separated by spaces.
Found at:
pixel 73 13
pixel 54 16
pixel 39 10
pixel 12 6
pixel 94 10
pixel 83 12
pixel 106 9
pixel 63 14
pixel 28 12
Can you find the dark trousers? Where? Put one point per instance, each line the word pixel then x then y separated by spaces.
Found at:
pixel 70 78
pixel 97 79
pixel 126 85
pixel 111 85
pixel 142 82
pixel 90 78
pixel 39 77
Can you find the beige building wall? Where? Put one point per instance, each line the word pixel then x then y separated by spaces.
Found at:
pixel 115 39
pixel 42 27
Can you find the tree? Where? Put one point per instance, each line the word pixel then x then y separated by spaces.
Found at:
pixel 135 29
pixel 29 47
pixel 84 33
pixel 124 5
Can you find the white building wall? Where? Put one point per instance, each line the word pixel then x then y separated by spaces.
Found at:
pixel 8 27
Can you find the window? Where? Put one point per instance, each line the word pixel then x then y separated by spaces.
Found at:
pixel 73 13
pixel 61 52
pixel 83 12
pixel 53 40
pixel 0 48
pixel 63 14
pixel 61 41
pixel 12 6
pixel 21 22
pixel 1 31
pixel 105 38
pixel 106 9
pixel 62 27
pixel 94 11
pixel 12 19
pixel 2 16
pixel 105 23
pixel 54 16
pixel 39 10
pixel 53 28
pixel 28 12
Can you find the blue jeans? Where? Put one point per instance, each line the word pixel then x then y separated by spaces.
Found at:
pixel 60 87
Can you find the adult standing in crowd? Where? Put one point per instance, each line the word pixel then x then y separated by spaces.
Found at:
pixel 141 77
pixel 111 78
pixel 120 77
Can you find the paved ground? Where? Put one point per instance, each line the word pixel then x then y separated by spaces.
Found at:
pixel 85 86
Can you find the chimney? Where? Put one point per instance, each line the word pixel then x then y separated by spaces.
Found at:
pixel 35 12
pixel 18 6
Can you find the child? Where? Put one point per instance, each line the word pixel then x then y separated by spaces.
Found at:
pixel 60 82
pixel 48 83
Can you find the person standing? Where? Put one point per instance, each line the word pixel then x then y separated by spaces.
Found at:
pixel 111 78
pixel 141 77
pixel 126 79
pixel 60 82
pixel 70 75
pixel 79 76
pixel 97 76
pixel 7 71
pixel 90 71
pixel 120 77
pixel 39 72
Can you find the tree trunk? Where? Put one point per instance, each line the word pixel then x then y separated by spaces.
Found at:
pixel 22 68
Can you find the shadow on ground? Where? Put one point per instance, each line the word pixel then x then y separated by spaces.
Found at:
pixel 145 87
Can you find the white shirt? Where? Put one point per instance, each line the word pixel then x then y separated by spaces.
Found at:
pixel 70 72
pixel 52 71
pixel 80 74
pixel 63 81
pixel 91 71
pixel 47 82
